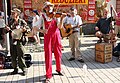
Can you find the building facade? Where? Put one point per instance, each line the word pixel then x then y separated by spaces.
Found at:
pixel 38 4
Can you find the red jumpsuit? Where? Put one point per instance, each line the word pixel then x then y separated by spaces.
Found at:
pixel 52 41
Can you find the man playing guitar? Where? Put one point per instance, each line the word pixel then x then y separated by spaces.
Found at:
pixel 74 21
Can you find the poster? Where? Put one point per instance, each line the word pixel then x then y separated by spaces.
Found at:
pixel 27 7
pixel 91 10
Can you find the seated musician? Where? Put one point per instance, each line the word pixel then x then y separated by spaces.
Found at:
pixel 103 27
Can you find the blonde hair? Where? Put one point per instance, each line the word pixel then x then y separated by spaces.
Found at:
pixel 105 9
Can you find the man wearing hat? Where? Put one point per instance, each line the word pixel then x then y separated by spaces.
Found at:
pixel 52 39
pixel 17 27
pixel 74 21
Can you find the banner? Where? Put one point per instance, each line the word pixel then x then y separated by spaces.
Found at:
pixel 27 7
pixel 91 10
pixel 69 1
pixel 107 1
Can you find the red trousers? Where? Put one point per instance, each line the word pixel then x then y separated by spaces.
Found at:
pixel 52 42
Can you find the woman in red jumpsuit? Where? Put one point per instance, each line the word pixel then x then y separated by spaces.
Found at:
pixel 52 39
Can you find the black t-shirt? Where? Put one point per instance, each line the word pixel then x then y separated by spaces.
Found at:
pixel 104 25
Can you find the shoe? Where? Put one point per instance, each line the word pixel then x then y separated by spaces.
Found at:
pixel 71 59
pixel 81 60
pixel 23 73
pixel 62 48
pixel 99 41
pixel 14 72
pixel 47 80
pixel 118 60
pixel 59 73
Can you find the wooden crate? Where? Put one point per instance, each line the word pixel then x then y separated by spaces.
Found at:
pixel 106 47
pixel 103 57
pixel 103 52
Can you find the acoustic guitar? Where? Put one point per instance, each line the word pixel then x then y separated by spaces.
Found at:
pixel 67 30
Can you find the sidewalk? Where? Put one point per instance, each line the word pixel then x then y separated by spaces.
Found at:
pixel 73 70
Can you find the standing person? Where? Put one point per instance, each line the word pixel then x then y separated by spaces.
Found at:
pixel 117 26
pixel 52 39
pixel 17 27
pixel 75 21
pixel 117 19
pixel 35 26
pixel 30 19
pixel 103 26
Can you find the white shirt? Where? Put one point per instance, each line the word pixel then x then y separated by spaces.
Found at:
pixel 76 20
pixel 41 20
pixel 35 20
pixel 2 23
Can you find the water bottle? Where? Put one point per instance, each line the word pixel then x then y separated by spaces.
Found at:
pixel 85 70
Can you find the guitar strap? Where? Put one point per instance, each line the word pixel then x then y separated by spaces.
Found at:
pixel 75 20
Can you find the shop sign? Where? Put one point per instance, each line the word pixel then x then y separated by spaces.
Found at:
pixel 27 7
pixel 69 1
pixel 91 10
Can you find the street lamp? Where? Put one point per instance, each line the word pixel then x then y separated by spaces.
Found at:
pixel 6 22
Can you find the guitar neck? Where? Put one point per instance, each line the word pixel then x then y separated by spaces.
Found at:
pixel 75 26
pixel 78 26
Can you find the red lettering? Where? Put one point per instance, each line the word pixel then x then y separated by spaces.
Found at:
pixel 76 1
pixel 80 1
pixel 54 1
pixel 66 1
pixel 84 1
pixel 61 1
pixel 71 1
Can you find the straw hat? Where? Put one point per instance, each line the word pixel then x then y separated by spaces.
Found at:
pixel 16 11
pixel 48 4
